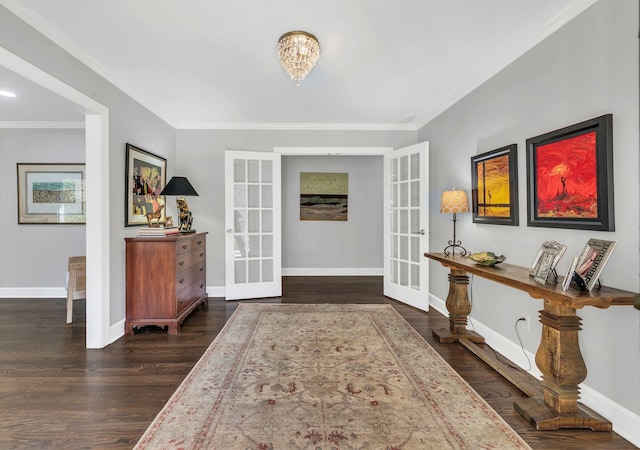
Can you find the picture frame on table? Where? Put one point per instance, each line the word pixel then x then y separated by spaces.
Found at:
pixel 146 176
pixel 592 261
pixel 570 177
pixel 566 282
pixel 494 186
pixel 51 194
pixel 546 261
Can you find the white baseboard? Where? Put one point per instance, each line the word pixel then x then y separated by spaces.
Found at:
pixel 116 331
pixel 216 291
pixel 625 422
pixel 332 272
pixel 33 292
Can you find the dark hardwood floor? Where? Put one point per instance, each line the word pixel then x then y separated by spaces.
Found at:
pixel 55 394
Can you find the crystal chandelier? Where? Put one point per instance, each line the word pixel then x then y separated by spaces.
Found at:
pixel 298 52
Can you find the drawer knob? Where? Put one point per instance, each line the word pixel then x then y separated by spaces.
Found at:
pixel 181 281
pixel 202 254
pixel 184 246
pixel 199 242
pixel 181 263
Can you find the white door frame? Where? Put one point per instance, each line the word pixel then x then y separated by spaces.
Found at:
pixel 97 195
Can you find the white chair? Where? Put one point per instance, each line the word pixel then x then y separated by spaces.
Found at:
pixel 76 282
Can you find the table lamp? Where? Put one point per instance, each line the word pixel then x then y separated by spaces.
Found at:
pixel 181 187
pixel 454 201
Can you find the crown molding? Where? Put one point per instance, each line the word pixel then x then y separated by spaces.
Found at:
pixel 297 126
pixel 42 125
pixel 518 49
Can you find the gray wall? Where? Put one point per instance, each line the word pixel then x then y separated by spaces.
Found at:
pixel 201 159
pixel 356 243
pixel 128 122
pixel 584 70
pixel 39 253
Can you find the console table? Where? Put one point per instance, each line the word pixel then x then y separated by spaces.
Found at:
pixel 558 356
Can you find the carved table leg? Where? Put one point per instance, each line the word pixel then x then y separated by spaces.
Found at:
pixel 563 369
pixel 459 307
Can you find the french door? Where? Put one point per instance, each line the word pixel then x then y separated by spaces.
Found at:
pixel 253 261
pixel 406 225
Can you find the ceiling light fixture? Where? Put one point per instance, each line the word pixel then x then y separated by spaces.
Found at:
pixel 7 94
pixel 298 52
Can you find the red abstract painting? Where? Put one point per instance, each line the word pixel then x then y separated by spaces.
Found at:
pixel 566 177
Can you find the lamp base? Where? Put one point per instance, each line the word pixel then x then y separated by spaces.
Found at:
pixel 463 251
pixel 187 231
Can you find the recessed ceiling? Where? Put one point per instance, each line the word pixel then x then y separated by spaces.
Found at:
pixel 213 64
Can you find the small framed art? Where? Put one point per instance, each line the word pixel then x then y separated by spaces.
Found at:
pixel 546 261
pixel 494 191
pixel 570 177
pixel 592 261
pixel 146 175
pixel 51 194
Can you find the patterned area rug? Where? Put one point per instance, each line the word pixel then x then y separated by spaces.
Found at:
pixel 284 376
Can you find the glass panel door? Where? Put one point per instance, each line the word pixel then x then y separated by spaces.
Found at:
pixel 252 223
pixel 406 225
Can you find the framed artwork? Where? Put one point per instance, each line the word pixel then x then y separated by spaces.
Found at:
pixel 494 191
pixel 51 194
pixel 146 175
pixel 592 260
pixel 570 177
pixel 324 196
pixel 546 261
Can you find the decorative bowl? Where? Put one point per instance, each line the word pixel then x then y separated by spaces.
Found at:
pixel 486 258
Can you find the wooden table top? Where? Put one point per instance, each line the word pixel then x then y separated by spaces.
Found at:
pixel 518 278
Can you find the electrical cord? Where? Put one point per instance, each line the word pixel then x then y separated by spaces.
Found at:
pixel 496 354
pixel 515 326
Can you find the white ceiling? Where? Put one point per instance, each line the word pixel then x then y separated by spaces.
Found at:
pixel 213 64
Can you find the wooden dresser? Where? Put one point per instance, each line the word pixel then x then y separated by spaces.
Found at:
pixel 166 280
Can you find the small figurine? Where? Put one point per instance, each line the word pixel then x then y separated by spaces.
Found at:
pixel 168 221
pixel 185 216
pixel 156 215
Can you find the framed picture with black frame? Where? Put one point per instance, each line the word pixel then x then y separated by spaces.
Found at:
pixel 494 186
pixel 570 177
pixel 146 176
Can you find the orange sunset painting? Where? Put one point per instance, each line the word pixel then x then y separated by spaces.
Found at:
pixel 566 178
pixel 493 187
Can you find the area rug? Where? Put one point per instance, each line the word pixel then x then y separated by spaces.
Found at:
pixel 281 376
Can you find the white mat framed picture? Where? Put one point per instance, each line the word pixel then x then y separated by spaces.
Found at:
pixel 51 193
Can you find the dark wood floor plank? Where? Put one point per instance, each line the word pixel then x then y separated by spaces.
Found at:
pixel 56 394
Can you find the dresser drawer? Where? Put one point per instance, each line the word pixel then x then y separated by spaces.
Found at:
pixel 186 260
pixel 189 276
pixel 189 294
pixel 191 244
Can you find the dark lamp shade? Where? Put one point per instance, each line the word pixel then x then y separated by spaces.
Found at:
pixel 178 186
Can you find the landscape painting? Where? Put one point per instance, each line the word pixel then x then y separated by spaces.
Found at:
pixel 324 196
pixel 494 186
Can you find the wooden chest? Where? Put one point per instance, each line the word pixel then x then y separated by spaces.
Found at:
pixel 166 280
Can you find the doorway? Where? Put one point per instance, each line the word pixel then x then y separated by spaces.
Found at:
pixel 97 195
